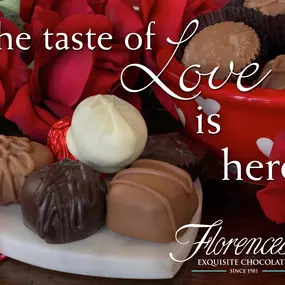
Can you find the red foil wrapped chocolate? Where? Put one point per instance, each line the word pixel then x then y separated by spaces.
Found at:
pixel 56 139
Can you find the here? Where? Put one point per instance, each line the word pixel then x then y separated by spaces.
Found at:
pixel 252 165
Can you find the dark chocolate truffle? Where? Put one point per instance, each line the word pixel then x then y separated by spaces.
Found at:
pixel 64 202
pixel 177 150
pixel 151 201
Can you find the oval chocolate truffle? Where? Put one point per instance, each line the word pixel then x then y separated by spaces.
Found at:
pixel 64 202
pixel 176 149
pixel 151 201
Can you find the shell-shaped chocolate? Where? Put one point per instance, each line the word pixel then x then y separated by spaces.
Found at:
pixel 19 157
pixel 151 201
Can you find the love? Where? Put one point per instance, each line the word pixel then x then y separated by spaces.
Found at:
pixel 240 75
pixel 155 77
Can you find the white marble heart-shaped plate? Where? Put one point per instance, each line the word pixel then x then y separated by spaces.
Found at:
pixel 104 254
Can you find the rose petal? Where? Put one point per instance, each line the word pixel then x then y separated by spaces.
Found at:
pixel 101 81
pixel 2 97
pixel 42 19
pixel 58 109
pixel 145 9
pixel 27 8
pixel 22 113
pixel 272 198
pixel 67 76
pixel 4 57
pixel 66 8
pixel 123 18
pixel 272 201
pixel 98 6
pixel 115 59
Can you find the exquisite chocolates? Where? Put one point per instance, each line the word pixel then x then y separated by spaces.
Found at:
pixel 19 157
pixel 267 7
pixel 151 201
pixel 176 149
pixel 276 79
pixel 64 202
pixel 106 133
pixel 219 44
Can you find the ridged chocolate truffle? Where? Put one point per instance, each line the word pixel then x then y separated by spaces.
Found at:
pixel 19 157
pixel 177 150
pixel 219 44
pixel 151 201
pixel 64 202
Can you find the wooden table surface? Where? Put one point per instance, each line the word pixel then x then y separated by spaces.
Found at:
pixel 232 202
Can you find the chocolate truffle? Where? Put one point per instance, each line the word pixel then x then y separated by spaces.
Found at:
pixel 176 149
pixel 151 201
pixel 64 202
pixel 19 157
pixel 276 79
pixel 219 44
pixel 106 133
pixel 267 7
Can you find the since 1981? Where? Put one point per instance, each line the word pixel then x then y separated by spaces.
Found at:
pixel 244 271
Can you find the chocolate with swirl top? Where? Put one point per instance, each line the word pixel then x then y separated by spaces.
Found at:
pixel 64 202
pixel 19 157
pixel 177 150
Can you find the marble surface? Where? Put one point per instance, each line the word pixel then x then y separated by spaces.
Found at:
pixel 105 254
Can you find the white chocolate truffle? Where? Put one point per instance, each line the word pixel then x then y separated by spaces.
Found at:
pixel 106 133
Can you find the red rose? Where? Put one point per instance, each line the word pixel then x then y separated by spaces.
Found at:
pixel 170 16
pixel 60 80
pixel 13 71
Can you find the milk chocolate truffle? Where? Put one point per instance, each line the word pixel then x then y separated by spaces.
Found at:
pixel 267 7
pixel 64 202
pixel 19 157
pixel 276 79
pixel 151 201
pixel 106 133
pixel 176 149
pixel 219 44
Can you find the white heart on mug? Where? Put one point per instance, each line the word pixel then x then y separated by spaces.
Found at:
pixel 265 145
pixel 180 115
pixel 209 106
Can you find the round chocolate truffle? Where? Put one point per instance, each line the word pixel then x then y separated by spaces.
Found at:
pixel 177 150
pixel 19 157
pixel 64 202
pixel 267 7
pixel 219 44
pixel 276 79
pixel 106 133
